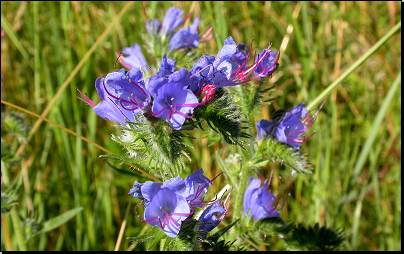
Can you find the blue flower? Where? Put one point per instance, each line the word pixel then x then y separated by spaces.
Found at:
pixel 165 205
pixel 167 67
pixel 135 58
pixel 172 21
pixel 291 128
pixel 196 186
pixel 153 27
pixel 169 203
pixel 229 67
pixel 260 201
pixel 186 37
pixel 267 63
pixel 264 128
pixel 208 217
pixel 136 191
pixel 123 94
pixel 173 103
pixel 167 211
pixel 288 127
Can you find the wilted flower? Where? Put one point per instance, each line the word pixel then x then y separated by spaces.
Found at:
pixel 123 94
pixel 260 201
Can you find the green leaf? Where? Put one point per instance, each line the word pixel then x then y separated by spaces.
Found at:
pixel 124 159
pixel 58 220
pixel 14 123
pixel 293 159
pixel 224 117
pixel 151 234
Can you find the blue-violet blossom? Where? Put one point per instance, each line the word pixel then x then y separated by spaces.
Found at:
pixel 169 203
pixel 260 201
pixel 186 37
pixel 134 58
pixel 174 101
pixel 289 128
pixel 229 67
pixel 123 94
pixel 209 219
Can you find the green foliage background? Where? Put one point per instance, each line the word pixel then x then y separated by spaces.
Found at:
pixel 318 41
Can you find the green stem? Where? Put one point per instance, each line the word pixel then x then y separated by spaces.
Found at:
pixel 360 61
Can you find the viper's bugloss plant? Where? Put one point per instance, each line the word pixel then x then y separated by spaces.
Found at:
pixel 155 109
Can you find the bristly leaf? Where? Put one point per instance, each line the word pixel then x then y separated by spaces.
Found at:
pixel 212 243
pixel 188 238
pixel 155 144
pixel 250 97
pixel 224 117
pixel 14 124
pixel 316 238
pixel 151 234
pixel 293 159
pixel 301 237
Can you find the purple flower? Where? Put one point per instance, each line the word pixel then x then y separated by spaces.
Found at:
pixel 264 128
pixel 136 191
pixel 165 205
pixel 169 203
pixel 153 26
pixel 135 58
pixel 229 67
pixel 123 94
pixel 173 102
pixel 208 217
pixel 172 21
pixel 287 127
pixel 196 186
pixel 267 63
pixel 167 68
pixel 186 37
pixel 291 128
pixel 167 211
pixel 261 202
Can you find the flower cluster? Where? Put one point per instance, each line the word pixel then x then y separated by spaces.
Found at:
pixel 260 201
pixel 169 203
pixel 286 127
pixel 173 95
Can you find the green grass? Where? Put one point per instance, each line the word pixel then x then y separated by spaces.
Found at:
pixel 356 152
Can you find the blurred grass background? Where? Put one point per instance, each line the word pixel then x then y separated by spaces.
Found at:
pixel 317 40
